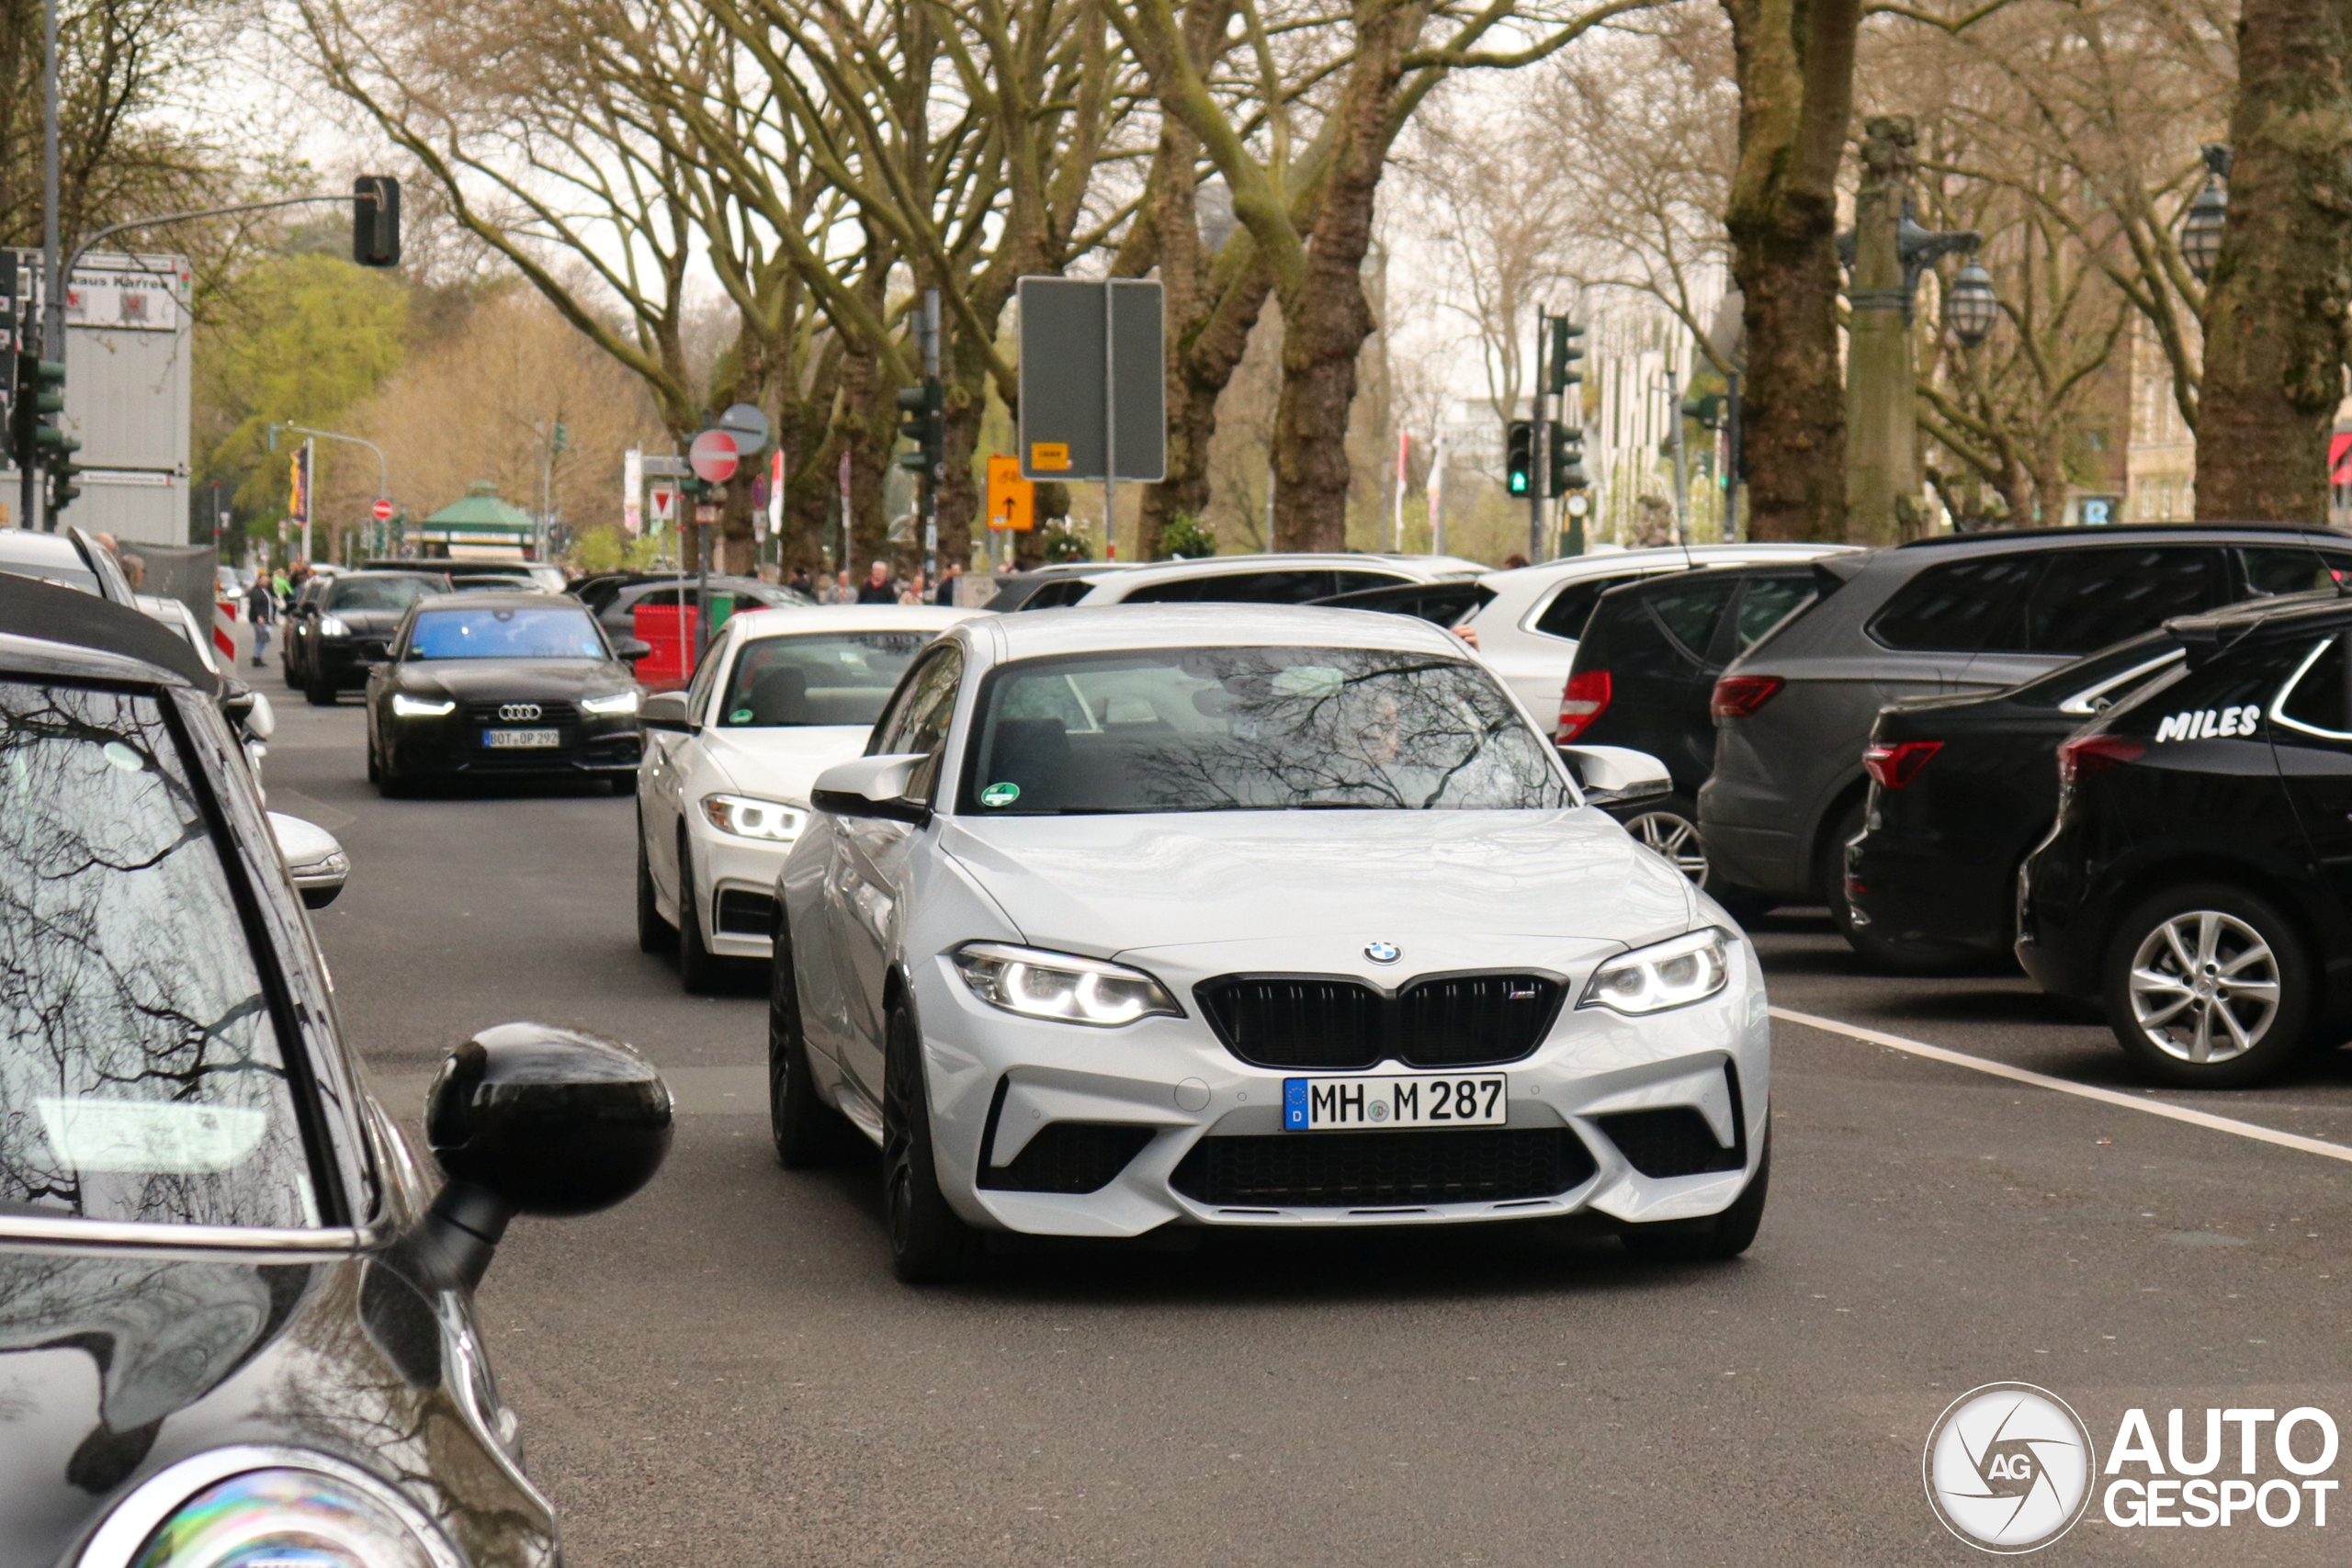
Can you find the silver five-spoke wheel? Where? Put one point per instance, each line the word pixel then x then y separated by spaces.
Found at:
pixel 1674 837
pixel 2204 986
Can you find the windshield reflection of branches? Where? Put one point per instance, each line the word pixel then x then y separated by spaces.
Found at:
pixel 1354 729
pixel 125 977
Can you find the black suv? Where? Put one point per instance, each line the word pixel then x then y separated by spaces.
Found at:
pixel 1967 613
pixel 2199 882
pixel 1645 669
pixel 341 626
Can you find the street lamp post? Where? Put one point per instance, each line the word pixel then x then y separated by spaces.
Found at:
pixel 1970 304
pixel 2201 225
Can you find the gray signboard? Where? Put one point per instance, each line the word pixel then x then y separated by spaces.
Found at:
pixel 1078 390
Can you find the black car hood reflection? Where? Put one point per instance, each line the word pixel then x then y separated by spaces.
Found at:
pixel 113 1367
pixel 509 679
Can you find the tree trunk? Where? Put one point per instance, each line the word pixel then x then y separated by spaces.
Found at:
pixel 2276 324
pixel 1795 67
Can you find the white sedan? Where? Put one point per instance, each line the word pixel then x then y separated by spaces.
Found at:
pixel 723 788
pixel 1237 916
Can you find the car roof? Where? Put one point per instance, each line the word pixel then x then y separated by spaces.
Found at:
pixel 535 600
pixel 1113 629
pixel 2201 533
pixel 49 613
pixel 1755 553
pixel 1219 566
pixel 40 549
pixel 804 620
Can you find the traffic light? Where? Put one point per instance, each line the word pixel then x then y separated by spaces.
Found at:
pixel 376 220
pixel 62 472
pixel 1565 355
pixel 1568 461
pixel 34 434
pixel 1706 409
pixel 1519 455
pixel 923 419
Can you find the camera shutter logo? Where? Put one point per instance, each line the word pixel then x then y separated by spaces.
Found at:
pixel 2009 1467
pixel 514 713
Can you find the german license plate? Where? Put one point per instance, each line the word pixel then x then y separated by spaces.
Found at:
pixel 1421 1099
pixel 503 739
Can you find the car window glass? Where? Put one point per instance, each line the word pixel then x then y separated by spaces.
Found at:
pixel 706 676
pixel 2271 570
pixel 1688 610
pixel 2086 599
pixel 833 678
pixel 1238 588
pixel 559 631
pixel 1767 603
pixel 1962 606
pixel 1254 729
pixel 1059 595
pixel 1571 608
pixel 1355 581
pixel 2315 699
pixel 924 712
pixel 141 1077
pixel 2099 680
pixel 377 591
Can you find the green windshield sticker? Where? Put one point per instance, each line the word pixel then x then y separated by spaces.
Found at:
pixel 1001 795
pixel 740 716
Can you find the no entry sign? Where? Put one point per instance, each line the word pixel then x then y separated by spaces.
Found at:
pixel 382 510
pixel 714 457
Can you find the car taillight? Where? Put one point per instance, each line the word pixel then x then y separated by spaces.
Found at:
pixel 1896 766
pixel 1738 696
pixel 2089 754
pixel 1582 701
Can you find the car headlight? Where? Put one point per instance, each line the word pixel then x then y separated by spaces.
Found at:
pixel 334 625
pixel 619 702
pixel 1690 968
pixel 1061 986
pixel 406 706
pixel 747 816
pixel 288 1516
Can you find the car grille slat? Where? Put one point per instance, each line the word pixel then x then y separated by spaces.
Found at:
pixel 1328 1171
pixel 1330 1024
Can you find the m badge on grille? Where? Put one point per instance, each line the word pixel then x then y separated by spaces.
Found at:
pixel 1383 951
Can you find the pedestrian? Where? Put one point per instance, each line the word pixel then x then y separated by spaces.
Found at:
pixel 1513 561
pixel 261 609
pixel 947 582
pixel 135 569
pixel 913 591
pixel 800 584
pixel 877 588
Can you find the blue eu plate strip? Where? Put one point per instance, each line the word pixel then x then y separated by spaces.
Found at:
pixel 1294 1105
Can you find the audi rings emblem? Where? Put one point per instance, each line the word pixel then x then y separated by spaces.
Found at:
pixel 514 713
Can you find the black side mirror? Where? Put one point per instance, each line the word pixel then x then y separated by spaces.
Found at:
pixel 666 710
pixel 632 649
pixel 532 1119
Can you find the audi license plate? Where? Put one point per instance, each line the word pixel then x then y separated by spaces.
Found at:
pixel 498 739
pixel 1322 1105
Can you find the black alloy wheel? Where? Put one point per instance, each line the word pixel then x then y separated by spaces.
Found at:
pixel 1714 1238
pixel 654 934
pixel 697 969
pixel 930 1245
pixel 2207 985
pixel 808 1132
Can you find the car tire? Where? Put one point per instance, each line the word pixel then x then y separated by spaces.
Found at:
pixel 320 694
pixel 624 783
pixel 930 1243
pixel 697 969
pixel 654 934
pixel 2229 934
pixel 1829 868
pixel 1714 1238
pixel 375 768
pixel 808 1132
pixel 1670 827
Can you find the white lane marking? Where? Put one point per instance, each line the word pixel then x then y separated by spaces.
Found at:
pixel 2086 1091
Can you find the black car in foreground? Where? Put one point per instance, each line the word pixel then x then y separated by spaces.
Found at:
pixel 2199 882
pixel 1960 788
pixel 335 634
pixel 498 684
pixel 1645 669
pixel 236 1328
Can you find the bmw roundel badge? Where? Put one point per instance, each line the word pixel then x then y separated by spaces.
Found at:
pixel 1382 952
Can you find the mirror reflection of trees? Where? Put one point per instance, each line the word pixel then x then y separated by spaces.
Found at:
pixel 140 1077
pixel 1260 728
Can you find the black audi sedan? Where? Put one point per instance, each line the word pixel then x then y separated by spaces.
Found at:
pixel 335 636
pixel 2197 884
pixel 236 1328
pixel 479 685
pixel 1960 788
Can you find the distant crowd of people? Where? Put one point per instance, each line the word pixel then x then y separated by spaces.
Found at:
pixel 880 587
pixel 267 599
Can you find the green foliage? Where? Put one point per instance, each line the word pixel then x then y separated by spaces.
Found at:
pixel 609 549
pixel 1063 543
pixel 297 339
pixel 1186 537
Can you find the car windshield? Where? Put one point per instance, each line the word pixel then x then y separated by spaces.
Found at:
pixel 832 678
pixel 556 632
pixel 378 590
pixel 141 1077
pixel 1254 729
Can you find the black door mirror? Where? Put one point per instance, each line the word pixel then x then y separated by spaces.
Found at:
pixel 666 710
pixel 632 649
pixel 531 1118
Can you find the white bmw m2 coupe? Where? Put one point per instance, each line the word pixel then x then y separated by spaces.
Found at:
pixel 1237 916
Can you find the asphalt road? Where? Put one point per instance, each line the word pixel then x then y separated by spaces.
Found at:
pixel 724 1371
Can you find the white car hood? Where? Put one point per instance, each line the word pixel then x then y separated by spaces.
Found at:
pixel 782 763
pixel 1110 884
